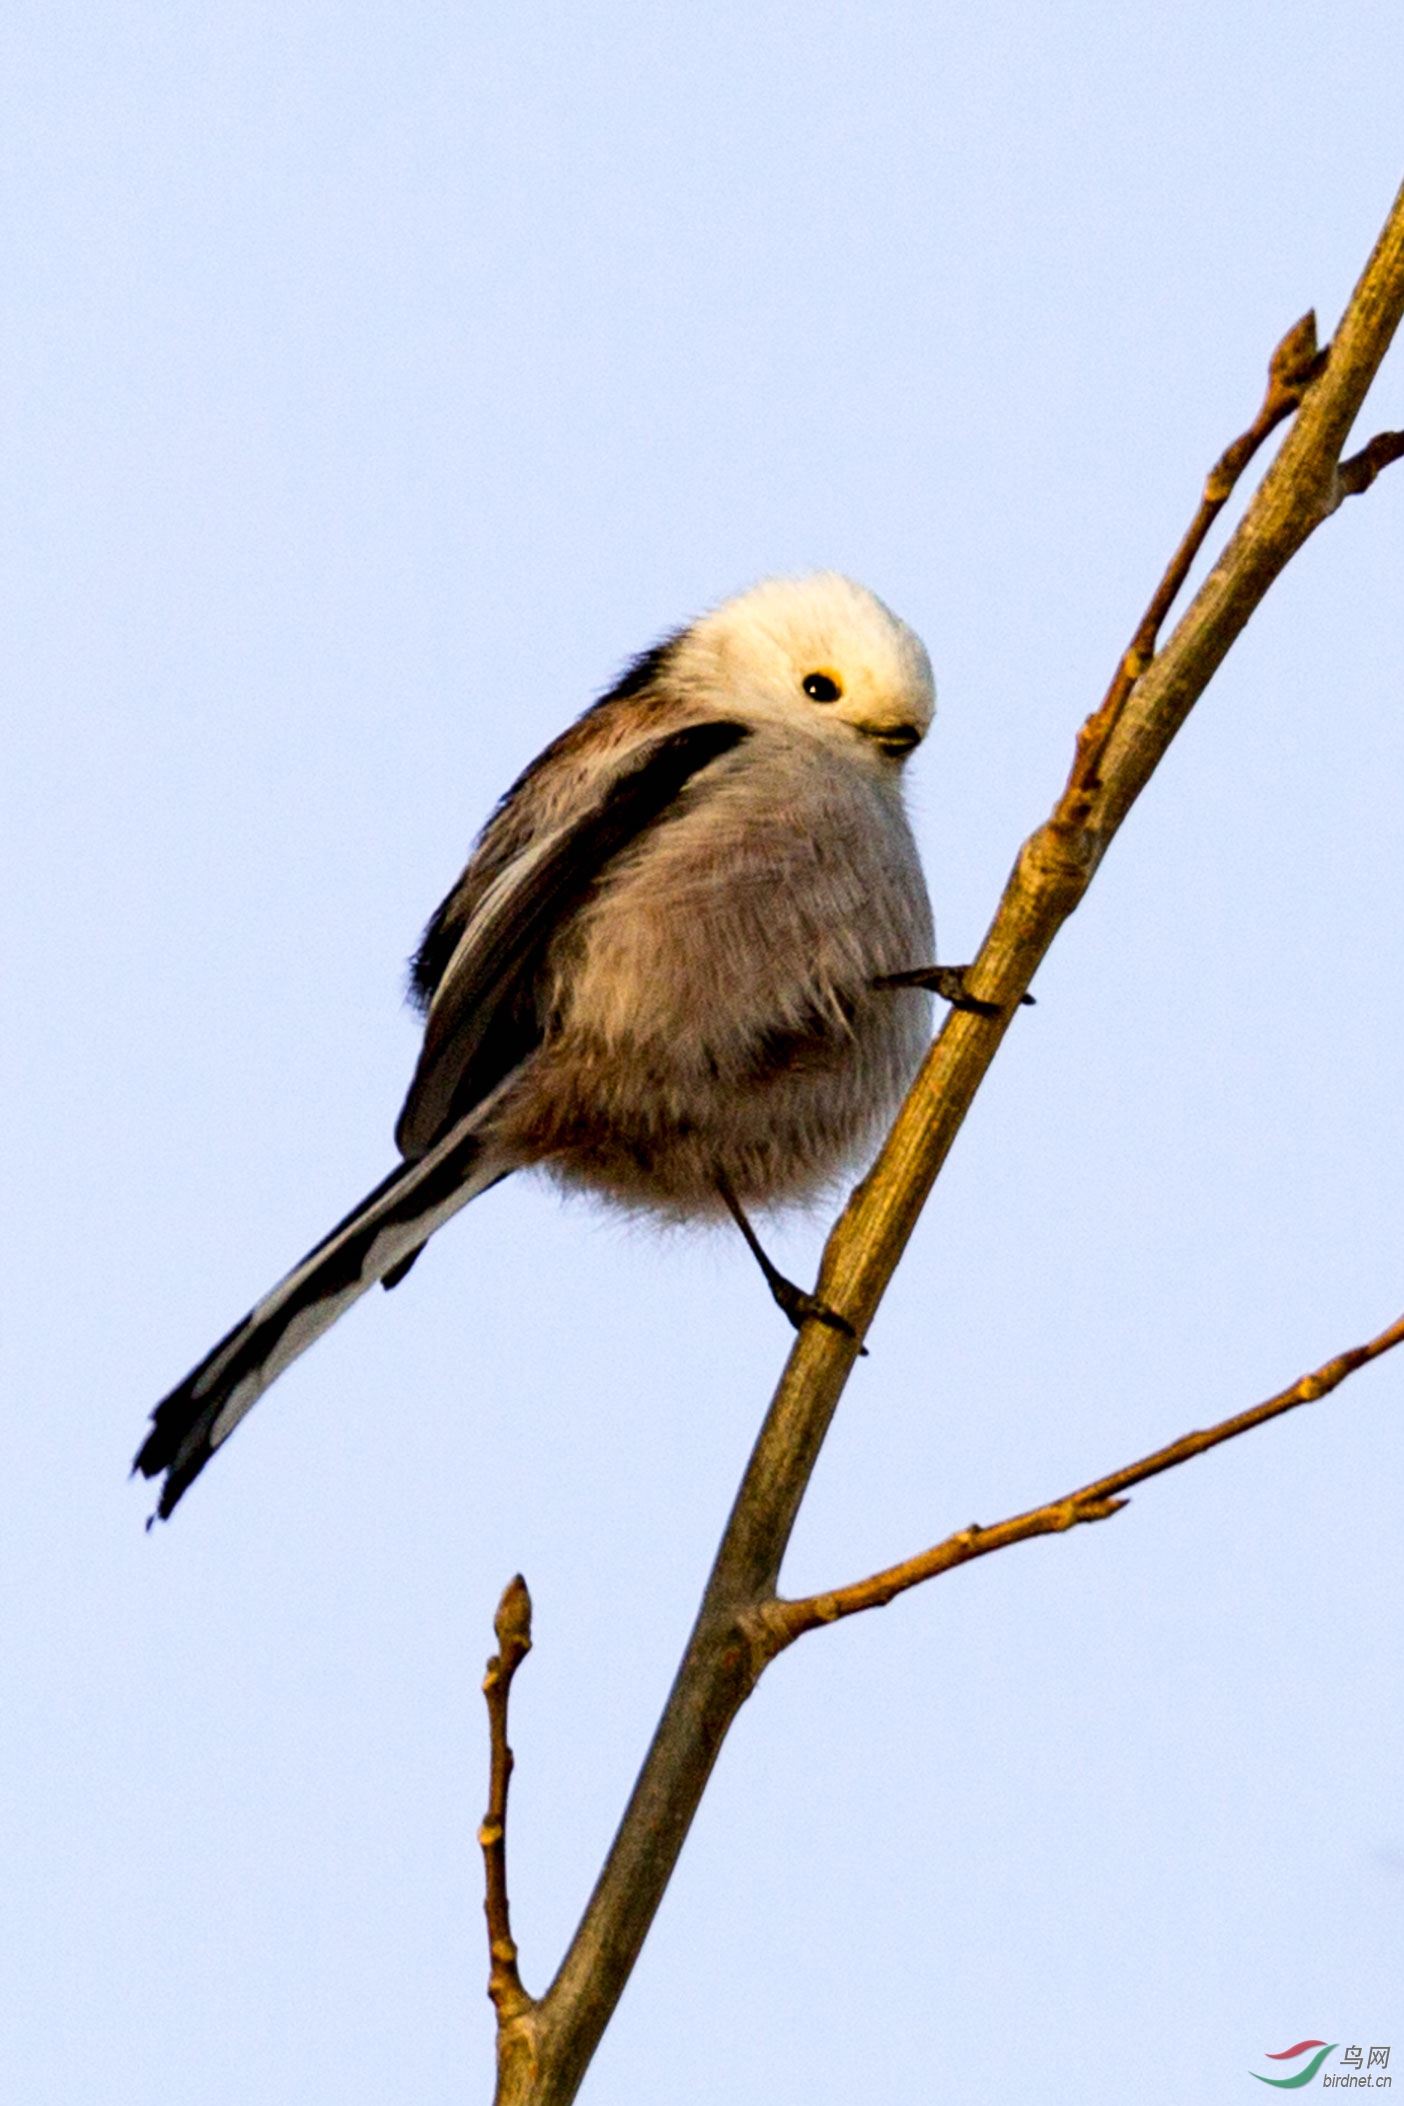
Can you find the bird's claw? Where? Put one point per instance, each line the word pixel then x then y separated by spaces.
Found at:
pixel 799 1307
pixel 947 981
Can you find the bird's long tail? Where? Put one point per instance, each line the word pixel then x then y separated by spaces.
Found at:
pixel 380 1236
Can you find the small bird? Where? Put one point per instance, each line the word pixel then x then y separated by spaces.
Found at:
pixel 687 967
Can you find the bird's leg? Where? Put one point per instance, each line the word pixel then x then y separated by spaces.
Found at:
pixel 797 1305
pixel 947 981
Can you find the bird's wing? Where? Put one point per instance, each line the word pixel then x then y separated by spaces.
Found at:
pixel 483 1020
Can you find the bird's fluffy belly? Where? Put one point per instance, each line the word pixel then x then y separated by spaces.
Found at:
pixel 713 1007
pixel 657 1132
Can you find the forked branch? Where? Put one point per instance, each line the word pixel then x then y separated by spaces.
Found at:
pixel 1294 365
pixel 780 1622
pixel 546 2047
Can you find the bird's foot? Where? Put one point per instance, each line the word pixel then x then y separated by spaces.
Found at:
pixel 799 1306
pixel 947 981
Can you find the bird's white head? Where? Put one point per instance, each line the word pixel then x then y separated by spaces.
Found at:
pixel 819 651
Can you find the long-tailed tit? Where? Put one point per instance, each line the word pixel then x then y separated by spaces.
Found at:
pixel 682 969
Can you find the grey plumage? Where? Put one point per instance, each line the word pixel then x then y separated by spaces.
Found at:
pixel 655 978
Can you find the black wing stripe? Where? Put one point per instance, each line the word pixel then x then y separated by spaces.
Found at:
pixel 477 1027
pixel 641 676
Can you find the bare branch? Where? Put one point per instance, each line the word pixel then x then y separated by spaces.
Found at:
pixel 781 1622
pixel 1294 365
pixel 1360 470
pixel 512 1624
pixel 1056 865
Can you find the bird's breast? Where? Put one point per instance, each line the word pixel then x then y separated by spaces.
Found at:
pixel 772 895
pixel 712 1004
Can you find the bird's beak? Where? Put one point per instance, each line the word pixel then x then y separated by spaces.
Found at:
pixel 897 739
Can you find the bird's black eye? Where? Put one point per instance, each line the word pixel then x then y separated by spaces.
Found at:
pixel 821 687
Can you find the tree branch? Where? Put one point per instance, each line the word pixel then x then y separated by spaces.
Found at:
pixel 778 1622
pixel 512 1624
pixel 1302 487
pixel 1360 470
pixel 1294 365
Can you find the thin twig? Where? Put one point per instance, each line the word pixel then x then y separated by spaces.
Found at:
pixel 780 1622
pixel 512 1624
pixel 1294 365
pixel 1360 470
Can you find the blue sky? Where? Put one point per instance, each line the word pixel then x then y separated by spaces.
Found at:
pixel 382 379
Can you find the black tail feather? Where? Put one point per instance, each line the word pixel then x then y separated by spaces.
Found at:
pixel 378 1240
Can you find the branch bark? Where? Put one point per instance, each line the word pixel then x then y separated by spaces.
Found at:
pixel 542 2061
pixel 512 1625
pixel 779 1623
